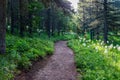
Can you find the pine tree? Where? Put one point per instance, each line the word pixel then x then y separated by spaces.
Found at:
pixel 2 25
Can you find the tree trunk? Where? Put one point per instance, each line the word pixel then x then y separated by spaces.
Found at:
pixel 14 16
pixel 91 34
pixel 48 22
pixel 97 32
pixel 8 15
pixel 105 22
pixel 30 19
pixel 23 16
pixel 30 23
pixel 2 26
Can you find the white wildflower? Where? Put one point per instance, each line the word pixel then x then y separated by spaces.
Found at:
pixel 111 46
pixel 106 46
pixel 117 45
pixel 84 44
pixel 114 47
pixel 84 39
pixel 99 40
pixel 96 48
pixel 106 51
pixel 8 26
pixel 118 48
pixel 80 38
pixel 102 43
pixel 89 40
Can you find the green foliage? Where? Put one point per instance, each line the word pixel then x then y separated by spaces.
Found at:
pixel 35 8
pixel 20 53
pixel 66 36
pixel 115 39
pixel 95 60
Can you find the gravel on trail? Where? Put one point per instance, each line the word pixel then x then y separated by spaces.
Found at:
pixel 60 66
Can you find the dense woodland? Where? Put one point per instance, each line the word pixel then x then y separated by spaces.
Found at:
pixel 24 18
pixel 102 17
pixel 23 22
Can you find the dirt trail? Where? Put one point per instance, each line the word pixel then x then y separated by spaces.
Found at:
pixel 60 66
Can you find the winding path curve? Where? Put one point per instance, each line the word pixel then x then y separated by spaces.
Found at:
pixel 60 66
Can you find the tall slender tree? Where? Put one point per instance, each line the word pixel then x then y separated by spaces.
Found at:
pixel 2 25
pixel 14 15
pixel 30 18
pixel 23 15
pixel 105 22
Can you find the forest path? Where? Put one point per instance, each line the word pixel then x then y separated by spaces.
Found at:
pixel 60 66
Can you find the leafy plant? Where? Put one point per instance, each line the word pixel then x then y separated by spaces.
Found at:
pixel 20 53
pixel 95 60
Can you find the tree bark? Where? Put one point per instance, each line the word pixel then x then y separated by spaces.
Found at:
pixel 105 22
pixel 8 15
pixel 30 24
pixel 14 16
pixel 23 16
pixel 30 19
pixel 2 26
pixel 48 22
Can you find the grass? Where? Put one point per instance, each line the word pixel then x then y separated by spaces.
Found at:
pixel 20 53
pixel 95 60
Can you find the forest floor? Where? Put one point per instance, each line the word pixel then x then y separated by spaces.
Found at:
pixel 59 66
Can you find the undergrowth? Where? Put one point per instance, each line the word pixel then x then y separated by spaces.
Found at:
pixel 65 37
pixel 20 53
pixel 95 60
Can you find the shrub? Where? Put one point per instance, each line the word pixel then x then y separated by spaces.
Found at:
pixel 20 53
pixel 95 60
